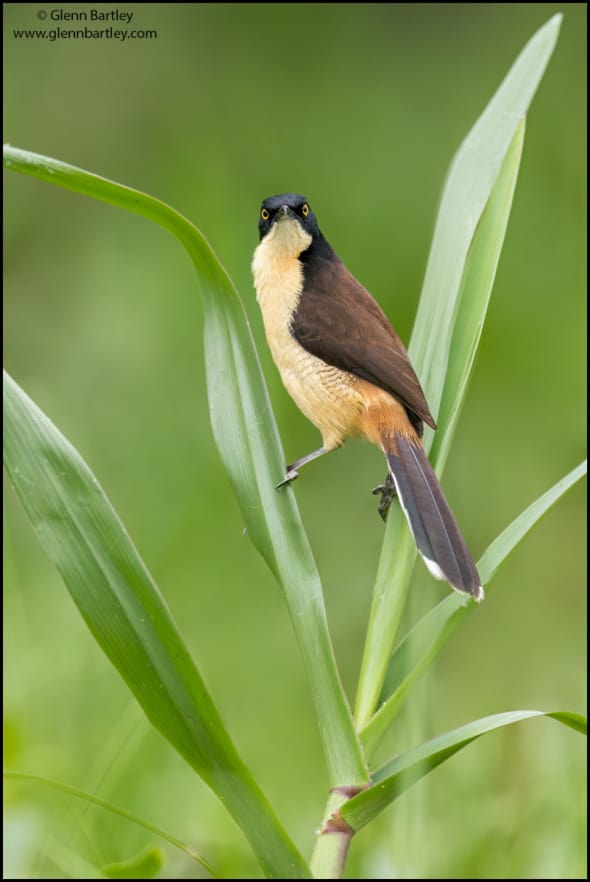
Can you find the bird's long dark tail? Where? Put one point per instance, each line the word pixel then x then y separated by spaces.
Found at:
pixel 431 521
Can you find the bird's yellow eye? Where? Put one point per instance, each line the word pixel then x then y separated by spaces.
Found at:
pixel 305 210
pixel 264 214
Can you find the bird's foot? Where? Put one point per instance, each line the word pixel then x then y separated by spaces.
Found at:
pixel 291 475
pixel 387 491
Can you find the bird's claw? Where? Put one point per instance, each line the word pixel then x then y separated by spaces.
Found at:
pixel 291 475
pixel 387 491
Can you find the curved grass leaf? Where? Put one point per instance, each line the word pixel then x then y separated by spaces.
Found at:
pixel 421 645
pixel 467 241
pixel 115 810
pixel 247 437
pixel 125 612
pixel 503 546
pixel 407 768
pixel 144 865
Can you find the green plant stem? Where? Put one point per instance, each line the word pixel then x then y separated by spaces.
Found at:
pixel 331 848
pixel 389 599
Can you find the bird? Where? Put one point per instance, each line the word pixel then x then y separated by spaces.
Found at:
pixel 347 370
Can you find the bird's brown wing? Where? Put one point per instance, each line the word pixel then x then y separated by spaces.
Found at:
pixel 338 321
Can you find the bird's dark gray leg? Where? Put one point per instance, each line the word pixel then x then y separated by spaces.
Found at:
pixel 388 491
pixel 292 472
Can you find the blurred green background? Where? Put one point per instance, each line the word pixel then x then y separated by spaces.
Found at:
pixel 360 107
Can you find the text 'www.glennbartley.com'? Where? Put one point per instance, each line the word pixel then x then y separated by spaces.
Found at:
pixel 89 24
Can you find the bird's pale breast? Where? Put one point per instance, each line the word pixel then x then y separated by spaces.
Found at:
pixel 329 397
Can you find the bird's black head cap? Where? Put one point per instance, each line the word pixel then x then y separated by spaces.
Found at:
pixel 287 204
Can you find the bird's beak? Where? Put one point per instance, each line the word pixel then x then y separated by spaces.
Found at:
pixel 284 212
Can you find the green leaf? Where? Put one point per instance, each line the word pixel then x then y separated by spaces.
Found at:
pixel 407 768
pixel 144 865
pixel 115 810
pixel 247 437
pixel 469 185
pixel 467 241
pixel 500 549
pixel 474 296
pixel 421 645
pixel 123 608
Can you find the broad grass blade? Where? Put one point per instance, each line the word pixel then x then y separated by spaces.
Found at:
pixel 469 185
pixel 125 612
pixel 407 768
pixel 474 296
pixel 247 438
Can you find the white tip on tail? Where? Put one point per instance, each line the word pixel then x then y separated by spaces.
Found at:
pixel 434 568
pixel 431 520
